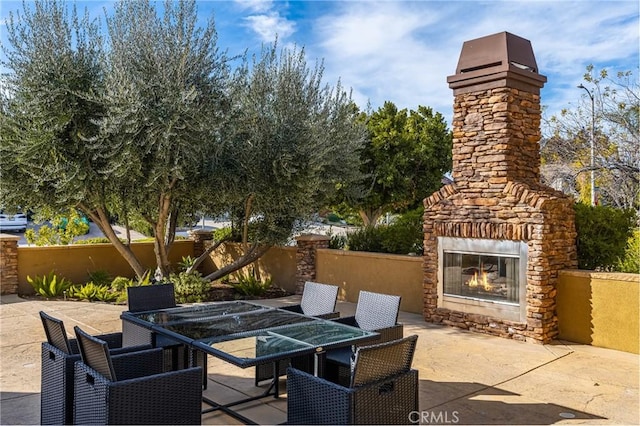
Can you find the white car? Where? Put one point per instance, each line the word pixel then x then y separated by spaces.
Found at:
pixel 13 222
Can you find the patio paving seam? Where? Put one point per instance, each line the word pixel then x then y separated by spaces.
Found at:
pixel 532 369
pixel 496 385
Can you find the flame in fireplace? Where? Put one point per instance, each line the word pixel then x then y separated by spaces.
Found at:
pixel 484 282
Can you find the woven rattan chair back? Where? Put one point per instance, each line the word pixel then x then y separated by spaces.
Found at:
pixel 318 299
pixel 56 334
pixel 375 310
pixel 151 297
pixel 95 353
pixel 377 362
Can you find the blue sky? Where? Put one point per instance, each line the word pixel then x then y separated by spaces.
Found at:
pixel 403 51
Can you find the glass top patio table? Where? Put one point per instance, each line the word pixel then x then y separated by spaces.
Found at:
pixel 247 334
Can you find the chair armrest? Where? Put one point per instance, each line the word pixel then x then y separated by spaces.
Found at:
pixel 388 334
pixel 342 356
pixel 174 397
pixel 313 400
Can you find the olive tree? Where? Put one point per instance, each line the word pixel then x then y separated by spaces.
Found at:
pixel 152 123
pixel 289 143
pixel 166 99
pixel 114 127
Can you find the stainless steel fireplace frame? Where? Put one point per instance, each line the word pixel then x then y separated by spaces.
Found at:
pixel 492 308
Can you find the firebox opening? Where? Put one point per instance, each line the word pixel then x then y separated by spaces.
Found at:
pixel 486 277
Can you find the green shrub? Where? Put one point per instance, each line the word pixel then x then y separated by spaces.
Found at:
pixel 403 236
pixel 249 285
pixel 100 277
pixel 631 261
pixel 139 224
pixel 338 242
pixel 222 233
pixel 186 262
pixel 49 285
pixel 602 235
pixel 145 280
pixel 368 238
pixel 121 283
pixel 91 292
pixel 64 228
pixel 190 287
pixel 96 240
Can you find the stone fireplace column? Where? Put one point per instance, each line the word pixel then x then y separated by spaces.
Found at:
pixel 496 194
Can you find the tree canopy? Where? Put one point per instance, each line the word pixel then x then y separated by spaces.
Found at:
pixel 153 123
pixel 566 150
pixel 404 160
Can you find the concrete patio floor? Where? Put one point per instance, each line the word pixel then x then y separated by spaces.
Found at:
pixel 465 378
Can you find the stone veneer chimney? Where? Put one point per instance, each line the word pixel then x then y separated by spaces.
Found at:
pixel 496 193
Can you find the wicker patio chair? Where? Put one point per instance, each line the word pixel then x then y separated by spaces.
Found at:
pixel 318 300
pixel 132 388
pixel 374 312
pixel 59 353
pixel 382 389
pixel 150 298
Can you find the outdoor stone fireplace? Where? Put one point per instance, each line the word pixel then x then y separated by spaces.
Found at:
pixel 496 238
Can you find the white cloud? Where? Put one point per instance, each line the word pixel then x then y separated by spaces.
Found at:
pixel 270 25
pixel 387 51
pixel 255 6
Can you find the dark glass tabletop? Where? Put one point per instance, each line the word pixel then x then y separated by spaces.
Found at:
pixel 210 328
pixel 248 334
pixel 194 312
pixel 262 345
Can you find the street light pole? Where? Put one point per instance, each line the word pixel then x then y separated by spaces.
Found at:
pixel 593 125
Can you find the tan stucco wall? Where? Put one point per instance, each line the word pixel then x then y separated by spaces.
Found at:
pixel 74 262
pixel 600 309
pixel 279 264
pixel 381 273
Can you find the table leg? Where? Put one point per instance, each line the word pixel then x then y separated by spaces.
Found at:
pixel 276 379
pixel 319 359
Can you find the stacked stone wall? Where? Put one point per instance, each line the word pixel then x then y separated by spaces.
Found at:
pixel 495 138
pixel 8 264
pixel 306 258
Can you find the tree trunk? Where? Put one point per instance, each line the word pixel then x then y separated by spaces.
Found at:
pixel 100 218
pixel 206 254
pixel 254 253
pixel 370 217
pixel 160 245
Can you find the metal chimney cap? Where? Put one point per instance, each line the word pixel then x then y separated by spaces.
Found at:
pixel 496 52
pixel 488 57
